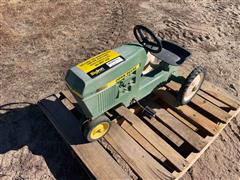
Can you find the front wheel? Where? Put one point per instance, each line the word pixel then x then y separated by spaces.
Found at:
pixel 96 128
pixel 191 85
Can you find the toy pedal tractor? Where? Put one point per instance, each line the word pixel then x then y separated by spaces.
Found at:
pixel 125 74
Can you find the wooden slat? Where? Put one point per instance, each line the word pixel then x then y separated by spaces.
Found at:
pixel 177 126
pixel 203 104
pixel 69 96
pixel 68 104
pixel 182 119
pixel 193 157
pixel 211 108
pixel 93 155
pixel 172 155
pixel 180 128
pixel 213 100
pixel 198 118
pixel 219 94
pixel 136 109
pixel 184 131
pixel 139 160
pixel 172 136
pixel 142 141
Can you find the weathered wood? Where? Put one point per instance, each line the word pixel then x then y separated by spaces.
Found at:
pixel 172 136
pixel 193 157
pixel 172 155
pixel 211 108
pixel 180 118
pixel 180 128
pixel 68 104
pixel 195 116
pixel 203 104
pixel 219 94
pixel 139 160
pixel 177 126
pixel 213 100
pixel 69 96
pixel 149 154
pixel 93 155
pixel 184 131
pixel 142 141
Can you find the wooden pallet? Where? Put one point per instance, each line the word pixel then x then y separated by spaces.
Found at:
pixel 163 147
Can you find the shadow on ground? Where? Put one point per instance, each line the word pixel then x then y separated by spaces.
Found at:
pixel 27 126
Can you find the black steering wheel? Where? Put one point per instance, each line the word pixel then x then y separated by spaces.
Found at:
pixel 147 39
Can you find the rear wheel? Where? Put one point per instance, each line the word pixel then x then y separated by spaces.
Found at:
pixel 96 128
pixel 191 85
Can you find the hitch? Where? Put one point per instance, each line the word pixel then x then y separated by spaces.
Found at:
pixel 146 110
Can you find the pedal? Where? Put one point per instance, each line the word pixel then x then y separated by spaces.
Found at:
pixel 149 112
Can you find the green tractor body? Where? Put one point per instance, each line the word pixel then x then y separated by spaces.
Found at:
pixel 125 75
pixel 105 87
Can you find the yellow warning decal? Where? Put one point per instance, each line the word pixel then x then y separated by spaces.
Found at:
pixel 126 74
pixel 97 60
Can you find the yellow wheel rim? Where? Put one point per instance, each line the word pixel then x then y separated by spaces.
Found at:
pixel 99 130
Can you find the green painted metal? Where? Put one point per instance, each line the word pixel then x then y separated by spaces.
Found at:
pixel 94 102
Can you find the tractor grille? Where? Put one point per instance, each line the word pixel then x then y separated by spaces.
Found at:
pixel 106 99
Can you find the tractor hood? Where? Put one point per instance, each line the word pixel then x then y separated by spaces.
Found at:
pixel 105 69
